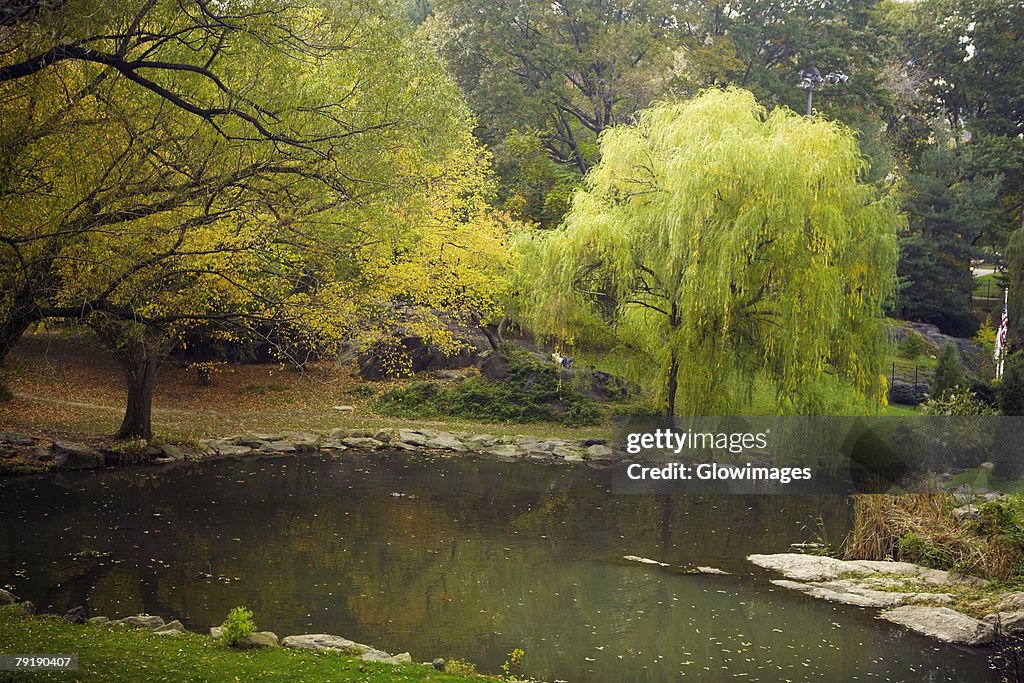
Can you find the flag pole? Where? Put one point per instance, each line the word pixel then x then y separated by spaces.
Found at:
pixel 1001 335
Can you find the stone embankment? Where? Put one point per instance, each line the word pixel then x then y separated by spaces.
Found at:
pixel 38 454
pixel 918 598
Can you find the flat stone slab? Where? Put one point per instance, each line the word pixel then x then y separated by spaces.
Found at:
pixel 799 567
pixel 324 641
pixel 942 624
pixel 846 595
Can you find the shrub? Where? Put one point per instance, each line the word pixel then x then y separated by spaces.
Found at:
pixel 949 373
pixel 915 548
pixel 530 391
pixel 1011 387
pixel 238 625
pixel 913 345
pixel 957 402
pixel 459 667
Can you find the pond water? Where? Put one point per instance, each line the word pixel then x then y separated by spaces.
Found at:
pixel 458 558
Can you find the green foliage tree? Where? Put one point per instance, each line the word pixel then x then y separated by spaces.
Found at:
pixel 1011 387
pixel 949 209
pixel 726 246
pixel 560 72
pixel 1015 287
pixel 949 372
pixel 179 189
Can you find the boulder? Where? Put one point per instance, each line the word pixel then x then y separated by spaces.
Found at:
pixel 846 594
pixel 599 452
pixel 377 361
pixel 447 442
pixel 504 451
pixel 98 620
pixel 942 624
pixel 259 640
pixel 323 641
pixel 146 621
pixel 170 628
pixel 413 437
pixel 7 597
pixel 1008 622
pixel 364 442
pixel 215 632
pixel 74 456
pixel 483 440
pixel 492 366
pixel 75 615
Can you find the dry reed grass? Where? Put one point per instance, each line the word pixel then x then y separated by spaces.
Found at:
pixel 922 528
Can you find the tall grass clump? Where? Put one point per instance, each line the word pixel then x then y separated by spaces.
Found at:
pixel 924 529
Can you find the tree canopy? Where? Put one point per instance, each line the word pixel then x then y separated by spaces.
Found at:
pixel 282 169
pixel 727 246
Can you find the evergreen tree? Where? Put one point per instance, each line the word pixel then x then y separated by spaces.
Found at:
pixel 949 373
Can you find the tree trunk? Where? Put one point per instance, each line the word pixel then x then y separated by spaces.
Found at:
pixel 23 313
pixel 673 365
pixel 493 335
pixel 673 373
pixel 139 370
pixel 139 351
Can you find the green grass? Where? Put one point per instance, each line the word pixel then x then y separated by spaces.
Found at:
pixel 113 656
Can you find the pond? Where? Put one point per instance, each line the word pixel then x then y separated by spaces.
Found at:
pixel 458 558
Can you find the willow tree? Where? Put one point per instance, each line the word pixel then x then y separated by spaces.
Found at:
pixel 726 246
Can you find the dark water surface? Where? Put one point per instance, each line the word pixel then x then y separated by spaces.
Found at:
pixel 458 558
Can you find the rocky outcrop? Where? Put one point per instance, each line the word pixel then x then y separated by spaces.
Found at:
pixel 324 641
pixel 911 595
pixel 941 623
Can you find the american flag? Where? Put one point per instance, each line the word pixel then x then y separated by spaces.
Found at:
pixel 1004 324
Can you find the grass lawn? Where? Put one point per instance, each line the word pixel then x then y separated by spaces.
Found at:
pixel 110 656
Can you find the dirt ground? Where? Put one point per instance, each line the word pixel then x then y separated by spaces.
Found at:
pixel 67 385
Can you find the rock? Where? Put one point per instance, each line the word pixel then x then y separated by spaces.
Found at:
pixel 966 512
pixel 483 440
pixel 846 595
pixel 28 607
pixel 643 560
pixel 231 449
pixel 277 447
pixel 987 466
pixel 402 446
pixel 215 632
pixel 455 375
pixel 99 620
pixel 362 442
pixel 171 627
pixel 140 621
pixel 7 597
pixel 942 624
pixel 711 570
pixel 1012 602
pixel 567 451
pixel 344 409
pixel 16 439
pixel 323 641
pixel 258 640
pixel 75 615
pixel 492 366
pixel 599 452
pixel 377 361
pixel 446 441
pixel 800 567
pixel 74 456
pixel 1008 622
pixel 438 664
pixel 374 655
pixel 411 436
pixel 504 451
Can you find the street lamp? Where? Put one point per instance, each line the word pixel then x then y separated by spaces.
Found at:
pixel 811 77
